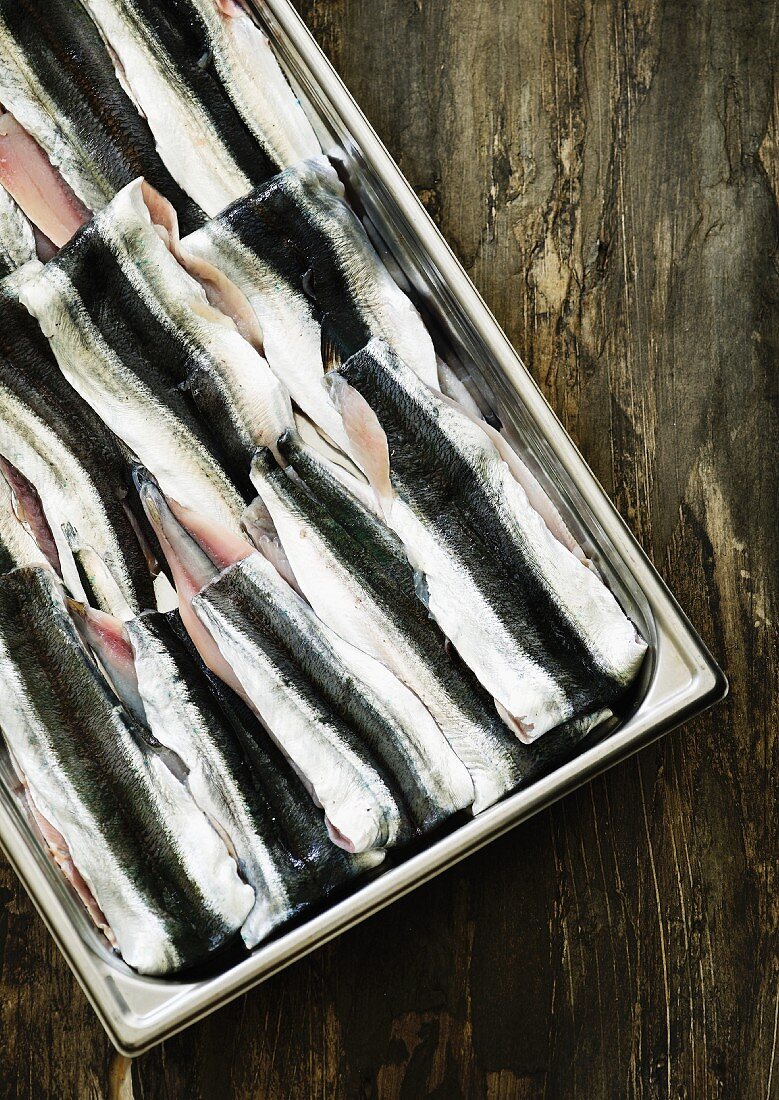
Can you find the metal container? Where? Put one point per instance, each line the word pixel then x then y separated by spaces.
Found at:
pixel 678 679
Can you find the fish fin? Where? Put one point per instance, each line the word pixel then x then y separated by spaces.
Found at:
pixel 223 296
pixel 332 356
pixel 61 854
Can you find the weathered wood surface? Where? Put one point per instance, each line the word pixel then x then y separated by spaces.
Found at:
pixel 608 173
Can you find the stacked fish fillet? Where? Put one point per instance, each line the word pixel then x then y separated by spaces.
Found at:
pixel 379 620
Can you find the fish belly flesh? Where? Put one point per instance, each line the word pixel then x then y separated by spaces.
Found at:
pixel 205 77
pixel 301 257
pixel 540 630
pixel 158 871
pixel 58 80
pixel 59 444
pixel 36 185
pixel 18 547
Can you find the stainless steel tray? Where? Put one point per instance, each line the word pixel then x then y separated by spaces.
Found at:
pixel 679 677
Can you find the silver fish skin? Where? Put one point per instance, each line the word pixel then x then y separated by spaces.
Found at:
pixel 355 574
pixel 115 365
pixel 453 389
pixel 60 445
pixel 17 240
pixel 181 715
pixel 158 871
pixel 356 601
pixel 299 254
pixel 540 630
pixel 156 678
pixel 168 313
pixel 58 79
pixel 205 77
pixel 314 867
pixel 346 724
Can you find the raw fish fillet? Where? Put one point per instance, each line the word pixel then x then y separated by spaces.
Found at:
pixel 367 749
pixel 206 79
pixel 135 335
pixel 57 442
pixel 355 573
pixel 301 257
pixel 58 79
pixel 229 771
pixel 542 633
pixel 160 875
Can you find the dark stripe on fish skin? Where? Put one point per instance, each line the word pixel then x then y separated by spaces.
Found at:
pixel 276 223
pixel 195 691
pixel 64 49
pixel 403 609
pixel 77 709
pixel 29 370
pixel 377 541
pixel 264 222
pixel 172 368
pixel 316 866
pixel 180 38
pixel 7 559
pixel 307 664
pixel 437 482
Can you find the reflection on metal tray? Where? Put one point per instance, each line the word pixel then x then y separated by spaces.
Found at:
pixel 678 678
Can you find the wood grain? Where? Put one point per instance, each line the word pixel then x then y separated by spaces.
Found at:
pixel 608 173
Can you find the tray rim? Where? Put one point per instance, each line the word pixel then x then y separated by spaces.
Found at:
pixel 137 1013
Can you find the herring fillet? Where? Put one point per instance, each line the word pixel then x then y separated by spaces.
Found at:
pixel 350 728
pixel 227 773
pixel 355 573
pixel 157 870
pixel 184 716
pixel 204 75
pixel 123 377
pixel 284 664
pixel 539 629
pixel 60 445
pixel 58 79
pixel 320 867
pixel 297 251
pixel 168 313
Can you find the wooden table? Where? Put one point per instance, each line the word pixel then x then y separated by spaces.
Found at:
pixel 607 172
